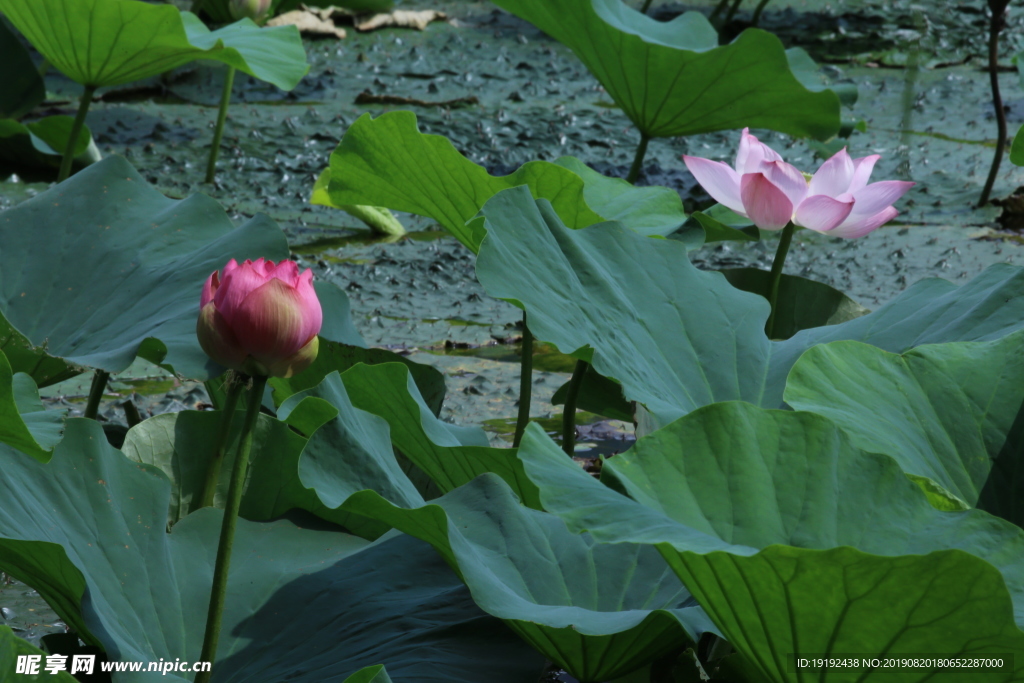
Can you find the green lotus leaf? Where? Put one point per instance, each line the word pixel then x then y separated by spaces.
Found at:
pixel 371 674
pixel 109 42
pixel 598 611
pixel 25 424
pixel 12 647
pixel 802 303
pixel 1017 148
pixel 40 144
pixel 796 541
pixel 387 162
pixel 673 79
pixel 448 454
pixel 103 268
pixel 338 357
pixel 23 86
pixel 942 411
pixel 677 338
pixel 87 530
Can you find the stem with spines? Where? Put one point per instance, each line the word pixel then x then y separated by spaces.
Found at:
pixel 76 130
pixel 776 276
pixel 218 132
pixel 997 24
pixel 218 593
pixel 99 385
pixel 638 159
pixel 234 390
pixel 525 383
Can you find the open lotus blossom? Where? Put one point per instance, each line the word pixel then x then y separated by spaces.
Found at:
pixel 837 200
pixel 260 318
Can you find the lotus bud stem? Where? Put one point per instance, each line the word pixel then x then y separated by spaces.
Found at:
pixel 234 388
pixel 227 531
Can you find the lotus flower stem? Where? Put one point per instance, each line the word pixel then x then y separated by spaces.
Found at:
pixel 757 12
pixel 996 26
pixel 776 276
pixel 218 132
pixel 227 529
pixel 76 129
pixel 99 385
pixel 525 383
pixel 638 160
pixel 234 387
pixel 647 5
pixel 569 416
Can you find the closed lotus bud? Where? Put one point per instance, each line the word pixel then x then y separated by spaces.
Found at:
pixel 257 10
pixel 260 318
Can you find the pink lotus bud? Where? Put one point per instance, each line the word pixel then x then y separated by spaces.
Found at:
pixel 837 200
pixel 260 318
pixel 257 10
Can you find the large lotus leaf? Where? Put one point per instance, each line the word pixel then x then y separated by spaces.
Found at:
pixel 672 78
pixel 598 611
pixel 23 86
pixel 438 456
pixel 796 541
pixel 673 336
pixel 102 268
pixel 801 304
pixel 25 424
pixel 12 647
pixel 109 42
pixel 387 162
pixel 337 357
pixel 677 338
pixel 42 143
pixel 88 531
pixel 942 411
pixel 450 455
pixel 181 444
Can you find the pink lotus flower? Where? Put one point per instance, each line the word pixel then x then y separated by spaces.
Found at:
pixel 260 318
pixel 836 201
